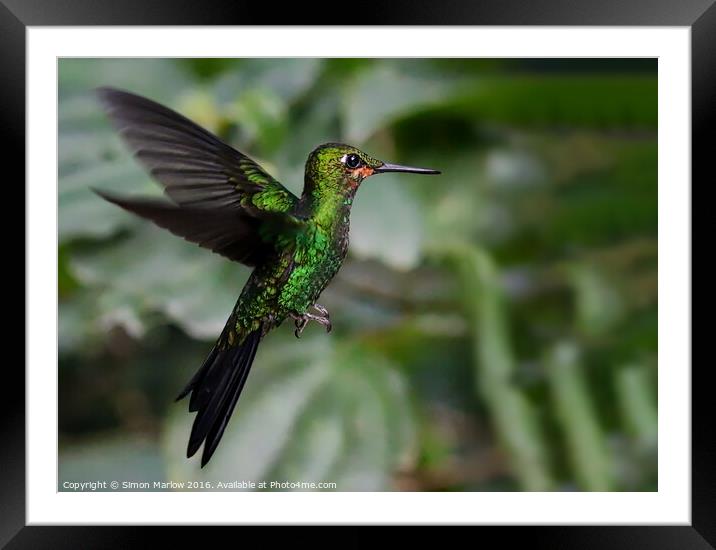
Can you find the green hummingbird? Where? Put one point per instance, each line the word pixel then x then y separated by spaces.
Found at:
pixel 222 200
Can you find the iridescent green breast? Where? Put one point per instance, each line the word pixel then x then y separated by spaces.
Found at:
pixel 316 259
pixel 291 282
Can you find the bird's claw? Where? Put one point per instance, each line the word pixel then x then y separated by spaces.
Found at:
pixel 300 323
pixel 322 319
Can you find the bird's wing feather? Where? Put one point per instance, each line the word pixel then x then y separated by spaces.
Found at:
pixel 221 198
pixel 221 231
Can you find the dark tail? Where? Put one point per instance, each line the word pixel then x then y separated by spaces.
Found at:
pixel 215 389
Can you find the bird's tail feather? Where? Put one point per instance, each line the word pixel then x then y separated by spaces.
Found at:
pixel 215 389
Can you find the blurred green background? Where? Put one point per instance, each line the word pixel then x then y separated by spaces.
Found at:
pixel 495 328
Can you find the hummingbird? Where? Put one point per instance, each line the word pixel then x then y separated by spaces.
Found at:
pixel 222 200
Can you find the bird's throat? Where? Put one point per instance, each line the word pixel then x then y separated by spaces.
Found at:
pixel 330 210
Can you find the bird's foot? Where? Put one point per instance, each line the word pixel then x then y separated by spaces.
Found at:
pixel 322 310
pixel 323 317
pixel 302 320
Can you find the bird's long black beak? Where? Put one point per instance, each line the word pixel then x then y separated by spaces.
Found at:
pixel 387 167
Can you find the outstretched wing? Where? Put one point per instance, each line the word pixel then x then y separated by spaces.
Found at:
pixel 220 230
pixel 221 199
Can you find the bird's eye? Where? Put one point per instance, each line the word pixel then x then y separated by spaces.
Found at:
pixel 352 161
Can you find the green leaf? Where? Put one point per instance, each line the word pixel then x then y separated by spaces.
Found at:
pixel 610 194
pixel 637 405
pixel 599 306
pixel 586 443
pixel 261 116
pixel 600 101
pixel 382 94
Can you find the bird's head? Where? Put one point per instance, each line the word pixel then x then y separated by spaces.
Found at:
pixel 342 168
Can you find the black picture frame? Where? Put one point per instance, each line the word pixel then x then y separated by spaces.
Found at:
pixel 16 15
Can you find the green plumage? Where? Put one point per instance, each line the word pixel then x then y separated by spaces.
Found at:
pixel 224 201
